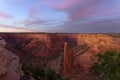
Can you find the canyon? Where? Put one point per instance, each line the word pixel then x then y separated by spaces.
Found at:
pixel 48 50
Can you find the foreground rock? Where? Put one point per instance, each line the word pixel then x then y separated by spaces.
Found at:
pixel 10 68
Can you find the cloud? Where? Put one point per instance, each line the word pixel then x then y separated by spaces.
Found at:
pixel 80 9
pixel 32 11
pixel 5 16
pixel 32 22
pixel 82 15
pixel 97 26
pixel 13 29
pixel 32 17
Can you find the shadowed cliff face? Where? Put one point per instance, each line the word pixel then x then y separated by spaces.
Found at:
pixel 38 49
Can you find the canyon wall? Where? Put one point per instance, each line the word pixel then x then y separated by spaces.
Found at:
pixel 97 43
pixel 10 67
pixel 95 39
pixel 38 49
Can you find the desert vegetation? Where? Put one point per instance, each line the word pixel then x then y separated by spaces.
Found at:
pixel 108 66
pixel 40 73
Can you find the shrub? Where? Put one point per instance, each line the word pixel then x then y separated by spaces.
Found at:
pixel 108 66
pixel 40 74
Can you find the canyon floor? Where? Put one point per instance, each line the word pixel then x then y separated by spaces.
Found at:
pixel 47 50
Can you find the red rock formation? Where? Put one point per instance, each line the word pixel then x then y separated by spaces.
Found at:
pixel 71 60
pixel 68 59
pixel 65 58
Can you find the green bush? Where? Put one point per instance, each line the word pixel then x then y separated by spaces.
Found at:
pixel 40 74
pixel 50 75
pixel 27 70
pixel 108 66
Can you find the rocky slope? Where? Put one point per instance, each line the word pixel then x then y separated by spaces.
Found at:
pixel 10 67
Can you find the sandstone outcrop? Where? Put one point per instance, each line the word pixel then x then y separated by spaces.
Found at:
pixel 10 67
pixel 68 59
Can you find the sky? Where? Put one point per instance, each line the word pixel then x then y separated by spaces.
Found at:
pixel 69 16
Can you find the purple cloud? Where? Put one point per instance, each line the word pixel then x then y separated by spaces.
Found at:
pixel 97 26
pixel 80 9
pixel 5 16
pixel 82 12
pixel 30 22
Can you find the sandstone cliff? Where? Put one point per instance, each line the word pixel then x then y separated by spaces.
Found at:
pixel 98 43
pixel 10 67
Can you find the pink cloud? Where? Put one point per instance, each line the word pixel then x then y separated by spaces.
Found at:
pixel 38 4
pixel 32 11
pixel 63 4
pixel 80 9
pixel 5 16
pixel 76 9
pixel 70 4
